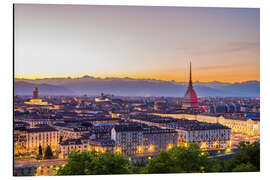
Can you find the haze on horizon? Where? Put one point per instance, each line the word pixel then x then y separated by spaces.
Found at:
pixel 137 42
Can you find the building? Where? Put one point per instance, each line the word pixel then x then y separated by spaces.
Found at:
pixel 128 139
pixel 102 98
pixel 35 100
pixel 71 131
pixel 244 126
pixel 156 139
pixel 101 132
pixel 34 122
pixel 207 135
pixel 43 137
pixel 190 99
pixel 102 145
pixel 67 146
pixel 19 138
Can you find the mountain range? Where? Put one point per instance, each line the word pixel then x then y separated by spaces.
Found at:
pixel 133 87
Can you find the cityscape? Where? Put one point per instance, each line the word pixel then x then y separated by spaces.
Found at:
pixel 135 124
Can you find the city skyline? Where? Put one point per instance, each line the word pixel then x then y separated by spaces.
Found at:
pixel 137 42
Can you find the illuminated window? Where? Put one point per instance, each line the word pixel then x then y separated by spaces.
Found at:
pixel 203 145
pixel 151 148
pixel 169 146
pixel 139 149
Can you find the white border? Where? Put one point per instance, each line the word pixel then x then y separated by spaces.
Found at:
pixel 6 81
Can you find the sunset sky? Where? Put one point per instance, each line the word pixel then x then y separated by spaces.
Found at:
pixel 137 42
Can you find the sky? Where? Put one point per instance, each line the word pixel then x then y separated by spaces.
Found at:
pixel 223 44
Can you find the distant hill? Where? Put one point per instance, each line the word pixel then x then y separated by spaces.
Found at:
pixel 26 88
pixel 133 87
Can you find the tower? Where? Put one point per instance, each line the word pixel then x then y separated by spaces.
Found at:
pixel 190 98
pixel 35 93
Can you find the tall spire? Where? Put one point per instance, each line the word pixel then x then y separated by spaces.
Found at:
pixel 190 78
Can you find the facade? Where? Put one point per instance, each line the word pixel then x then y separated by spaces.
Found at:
pixel 102 98
pixel 66 147
pixel 19 139
pixel 207 135
pixel 42 136
pixel 102 145
pixel 128 139
pixel 156 139
pixel 244 126
pixel 190 98
pixel 71 132
pixel 35 100
pixel 36 122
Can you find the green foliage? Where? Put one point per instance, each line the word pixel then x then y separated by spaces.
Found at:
pixel 48 153
pixel 250 153
pixel 40 154
pixel 93 163
pixel 108 163
pixel 40 150
pixel 245 168
pixel 176 160
pixel 247 159
pixel 76 163
pixel 180 160
pixel 61 139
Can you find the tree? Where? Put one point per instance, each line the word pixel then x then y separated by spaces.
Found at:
pixel 39 156
pixel 245 168
pixel 179 160
pixel 48 153
pixel 247 159
pixel 161 164
pixel 40 150
pixel 91 163
pixel 108 163
pixel 137 167
pixel 61 139
pixel 76 163
pixel 248 153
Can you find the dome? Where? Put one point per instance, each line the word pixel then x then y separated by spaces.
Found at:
pixel 190 98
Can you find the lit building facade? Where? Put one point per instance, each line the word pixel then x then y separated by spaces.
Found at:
pixel 67 146
pixel 102 98
pixel 103 145
pixel 245 126
pixel 157 139
pixel 128 139
pixel 35 100
pixel 43 137
pixel 35 122
pixel 207 135
pixel 71 132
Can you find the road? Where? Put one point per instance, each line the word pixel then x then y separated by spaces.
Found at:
pixel 37 163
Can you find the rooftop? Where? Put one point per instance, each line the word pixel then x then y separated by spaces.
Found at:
pixel 127 128
pixel 36 130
